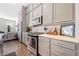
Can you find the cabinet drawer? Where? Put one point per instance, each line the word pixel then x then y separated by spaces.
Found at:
pixel 63 44
pixel 43 49
pixel 43 39
pixel 60 51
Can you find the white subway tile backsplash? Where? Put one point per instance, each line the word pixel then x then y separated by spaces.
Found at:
pixel 50 28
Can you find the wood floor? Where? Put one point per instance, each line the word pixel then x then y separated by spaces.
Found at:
pixel 17 47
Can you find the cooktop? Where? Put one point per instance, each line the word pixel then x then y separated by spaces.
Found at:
pixel 34 33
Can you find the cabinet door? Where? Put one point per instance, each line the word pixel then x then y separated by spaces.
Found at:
pixel 22 37
pixel 64 44
pixel 30 19
pixel 39 11
pixel 26 39
pixel 43 49
pixel 48 13
pixel 30 7
pixel 35 13
pixel 44 46
pixel 61 48
pixel 60 51
pixel 27 20
pixel 64 12
pixel 36 4
pixel 27 10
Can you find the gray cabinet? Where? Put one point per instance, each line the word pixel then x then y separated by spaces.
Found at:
pixel 44 49
pixel 52 12
pixel 25 38
pixel 39 11
pixel 60 51
pixel 61 48
pixel 35 13
pixel 55 47
pixel 48 13
pixel 36 5
pixel 27 20
pixel 30 19
pixel 23 19
pixel 43 46
pixel 64 12
pixel 29 8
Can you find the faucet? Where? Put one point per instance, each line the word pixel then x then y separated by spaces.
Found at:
pixel 45 28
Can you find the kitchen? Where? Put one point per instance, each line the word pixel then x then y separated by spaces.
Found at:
pixel 54 26
pixel 43 29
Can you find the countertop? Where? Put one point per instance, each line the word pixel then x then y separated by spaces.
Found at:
pixel 60 37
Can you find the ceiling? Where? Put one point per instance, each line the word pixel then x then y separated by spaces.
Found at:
pixel 10 11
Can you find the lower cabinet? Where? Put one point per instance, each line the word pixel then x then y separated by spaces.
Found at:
pixel 25 38
pixel 43 46
pixel 44 49
pixel 56 47
pixel 60 51
pixel 62 48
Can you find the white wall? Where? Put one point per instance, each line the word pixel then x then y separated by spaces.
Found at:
pixel 4 23
pixel 77 20
pixel 9 10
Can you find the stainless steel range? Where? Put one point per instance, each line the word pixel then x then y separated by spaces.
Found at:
pixel 33 42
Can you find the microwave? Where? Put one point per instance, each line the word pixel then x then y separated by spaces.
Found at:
pixel 37 21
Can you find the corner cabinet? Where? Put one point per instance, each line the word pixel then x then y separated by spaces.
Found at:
pixel 64 12
pixel 48 13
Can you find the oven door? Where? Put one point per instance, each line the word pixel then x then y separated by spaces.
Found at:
pixel 32 45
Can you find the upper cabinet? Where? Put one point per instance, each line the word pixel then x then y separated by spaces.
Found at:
pixel 27 20
pixel 52 13
pixel 64 12
pixel 29 8
pixel 30 19
pixel 33 10
pixel 23 19
pixel 36 5
pixel 39 11
pixel 48 13
pixel 35 13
